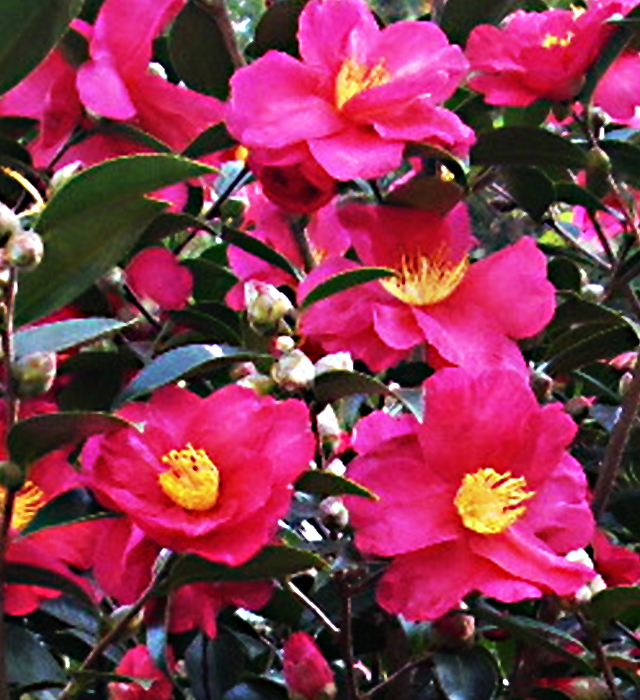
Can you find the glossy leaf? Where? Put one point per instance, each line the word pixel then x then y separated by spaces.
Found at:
pixel 626 507
pixel 571 193
pixel 91 223
pixel 338 384
pixel 459 17
pixel 345 280
pixel 214 665
pixel 531 189
pixel 35 437
pixel 525 145
pixel 28 660
pixel 63 335
pixel 29 29
pixel 216 330
pixel 467 675
pixel 278 29
pixel 257 689
pixel 215 138
pixel 625 159
pixel 429 193
pixel 181 362
pixel 608 604
pixel 328 484
pixel 32 575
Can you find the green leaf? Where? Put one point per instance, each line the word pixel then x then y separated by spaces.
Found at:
pixel 181 362
pixel 611 602
pixel 627 271
pixel 29 29
pixel 75 506
pixel 345 280
pixel 531 190
pixel 210 280
pixel 626 507
pixel 459 17
pixel 91 223
pixel 278 29
pixel 62 335
pixel 274 561
pixel 328 484
pixel 467 675
pixel 430 193
pixel 570 193
pixel 625 159
pixel 525 145
pixel 564 274
pixel 216 330
pixel 215 138
pixel 338 384
pixel 214 665
pixel 31 575
pixel 35 437
pixel 252 245
pixel 257 689
pixel 28 660
pixel 199 52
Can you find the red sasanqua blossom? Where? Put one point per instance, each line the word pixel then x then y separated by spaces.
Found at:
pixel 156 275
pixel 208 476
pixel 617 565
pixel 482 496
pixel 468 315
pixel 358 95
pixel 138 663
pixel 306 672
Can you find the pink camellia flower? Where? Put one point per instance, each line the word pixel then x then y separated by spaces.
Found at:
pixel 306 672
pixel 137 663
pixel 482 496
pixel 208 476
pixel 358 94
pixel 154 274
pixel 536 54
pixel 468 315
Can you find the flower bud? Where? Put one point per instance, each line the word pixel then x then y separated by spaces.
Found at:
pixel 260 383
pixel 10 224
pixel 283 343
pixel 294 370
pixel 334 361
pixel 624 383
pixel 595 585
pixel 334 513
pixel 328 426
pixel 541 384
pixel 307 674
pixel 454 631
pixel 12 477
pixel 598 168
pixel 593 292
pixel 24 250
pixel 34 374
pixel 265 304
pixel 62 176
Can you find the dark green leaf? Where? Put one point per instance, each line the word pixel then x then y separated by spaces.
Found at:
pixel 564 274
pixel 459 17
pixel 31 575
pixel 199 52
pixel 34 437
pixel 252 245
pixel 74 47
pixel 15 128
pixel 29 29
pixel 608 604
pixel 345 280
pixel 214 665
pixel 531 190
pixel 62 335
pixel 429 193
pixel 210 280
pixel 258 689
pixel 28 660
pixel 278 28
pixel 328 484
pixel 468 675
pixel 626 507
pixel 214 329
pixel 77 505
pixel 338 384
pixel 574 311
pixel 215 138
pixel 274 561
pixel 525 145
pixel 181 362
pixel 625 159
pixel 627 271
pixel 570 193
pixel 91 223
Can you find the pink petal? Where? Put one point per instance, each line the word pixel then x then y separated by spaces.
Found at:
pixel 154 273
pixel 395 324
pixel 103 91
pixel 378 427
pixel 618 90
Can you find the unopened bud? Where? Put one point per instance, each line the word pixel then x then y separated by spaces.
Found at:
pixel 334 361
pixel 595 585
pixel 598 168
pixel 242 370
pixel 260 383
pixel 265 304
pixel 625 382
pixel 12 477
pixel 541 384
pixel 328 426
pixel 454 631
pixel 23 250
pixel 307 674
pixel 62 176
pixel 334 513
pixel 118 615
pixel 593 292
pixel 578 407
pixel 284 343
pixel 294 370
pixel 34 374
pixel 10 224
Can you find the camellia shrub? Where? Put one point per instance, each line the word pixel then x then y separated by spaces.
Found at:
pixel 319 350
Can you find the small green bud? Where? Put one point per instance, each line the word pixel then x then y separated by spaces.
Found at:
pixel 598 168
pixel 12 476
pixel 24 250
pixel 34 374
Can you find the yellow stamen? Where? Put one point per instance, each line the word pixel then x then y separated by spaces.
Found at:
pixel 489 502
pixel 29 499
pixel 192 480
pixel 353 78
pixel 553 40
pixel 422 281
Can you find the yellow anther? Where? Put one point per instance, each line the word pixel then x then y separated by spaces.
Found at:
pixel 489 502
pixel 29 499
pixel 354 77
pixel 553 40
pixel 192 480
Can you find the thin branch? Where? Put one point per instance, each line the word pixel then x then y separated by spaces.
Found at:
pixel 311 606
pixel 394 676
pixel 346 636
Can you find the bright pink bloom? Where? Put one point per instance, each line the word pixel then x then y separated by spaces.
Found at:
pixel 618 90
pixel 197 605
pixel 536 55
pixel 137 663
pixel 617 565
pixel 482 496
pixel 209 476
pixel 468 315
pixel 155 274
pixel 306 672
pixel 358 94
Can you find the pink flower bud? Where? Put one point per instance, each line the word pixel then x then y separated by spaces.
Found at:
pixel 137 663
pixel 306 672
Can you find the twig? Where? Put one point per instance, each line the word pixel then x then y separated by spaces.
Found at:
pixel 566 236
pixel 346 637
pixel 297 229
pixel 311 606
pixel 601 657
pixel 394 676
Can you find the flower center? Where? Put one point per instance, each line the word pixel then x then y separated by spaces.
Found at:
pixel 553 40
pixel 489 502
pixel 422 281
pixel 353 78
pixel 192 480
pixel 29 499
